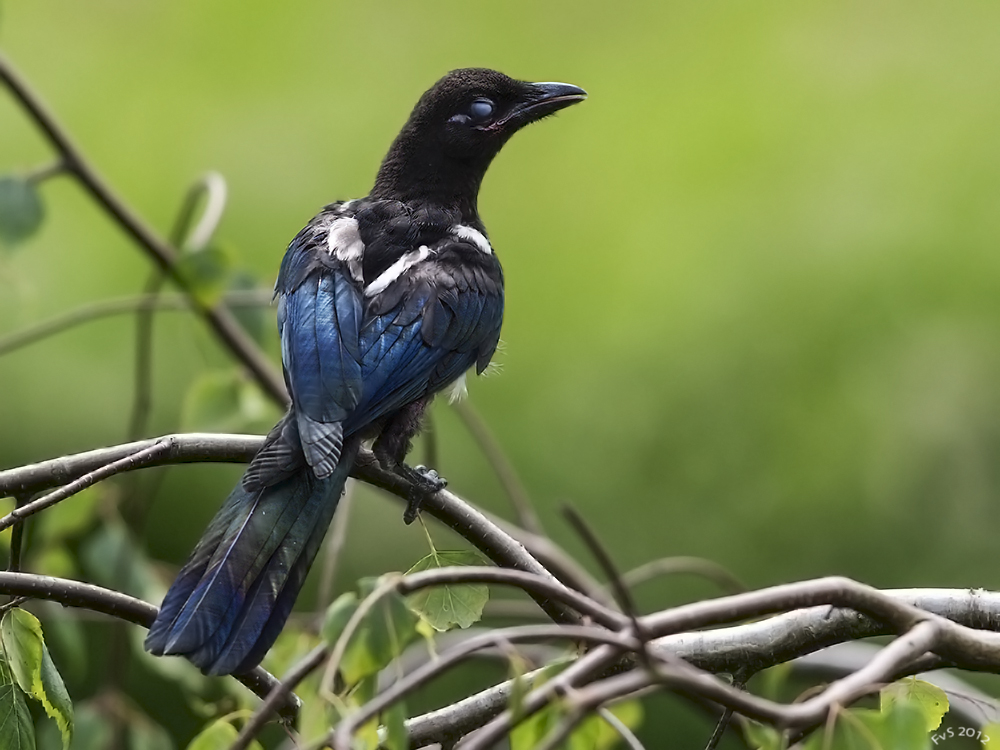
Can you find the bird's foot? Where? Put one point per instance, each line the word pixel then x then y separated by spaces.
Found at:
pixel 423 482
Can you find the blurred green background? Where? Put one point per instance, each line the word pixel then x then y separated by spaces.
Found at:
pixel 753 283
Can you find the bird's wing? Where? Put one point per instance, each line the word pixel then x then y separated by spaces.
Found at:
pixel 427 321
pixel 319 319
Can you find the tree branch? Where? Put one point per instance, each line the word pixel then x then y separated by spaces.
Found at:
pixel 195 447
pixel 107 308
pixel 448 508
pixel 122 607
pixel 226 328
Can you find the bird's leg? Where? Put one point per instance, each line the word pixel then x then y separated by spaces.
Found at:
pixel 394 442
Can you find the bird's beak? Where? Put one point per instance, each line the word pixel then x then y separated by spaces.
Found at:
pixel 543 100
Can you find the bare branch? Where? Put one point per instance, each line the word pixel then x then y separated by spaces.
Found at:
pixel 133 461
pixel 107 308
pixel 502 467
pixel 619 726
pixel 192 447
pixel 622 594
pixel 226 328
pixel 17 537
pixel 279 693
pixel 122 607
pixel 698 566
pixel 556 560
pixel 956 642
pixel 333 546
pixel 448 508
pixel 340 738
pixel 212 185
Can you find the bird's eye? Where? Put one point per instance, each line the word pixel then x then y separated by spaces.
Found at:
pixel 481 110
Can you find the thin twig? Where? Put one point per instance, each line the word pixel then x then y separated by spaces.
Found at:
pixel 760 644
pixel 619 726
pixel 502 467
pixel 17 536
pixel 556 560
pixel 191 447
pixel 219 319
pixel 107 308
pixel 386 587
pixel 448 508
pixel 720 729
pixel 470 523
pixel 603 558
pixel 278 695
pixel 192 240
pixel 212 186
pixel 41 174
pixel 142 399
pixel 335 540
pixel 494 638
pixel 698 566
pixel 529 582
pixel 130 462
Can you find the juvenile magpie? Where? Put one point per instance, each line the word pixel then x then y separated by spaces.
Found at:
pixel 382 302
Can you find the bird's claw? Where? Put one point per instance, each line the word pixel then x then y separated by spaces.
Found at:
pixel 423 482
pixel 434 482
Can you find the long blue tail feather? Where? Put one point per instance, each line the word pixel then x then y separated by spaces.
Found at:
pixel 232 597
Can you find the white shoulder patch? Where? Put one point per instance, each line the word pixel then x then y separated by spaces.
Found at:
pixel 457 390
pixel 470 234
pixel 344 241
pixel 396 270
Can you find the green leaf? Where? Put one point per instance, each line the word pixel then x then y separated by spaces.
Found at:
pixel 594 732
pixel 6 678
pixel 16 730
pixel 929 699
pixel 761 736
pixel 206 272
pixel 531 732
pixel 444 607
pixel 519 685
pixel 218 735
pixel 381 635
pixel 36 675
pixel 396 736
pixel 901 727
pixel 92 729
pixel 21 209
pixel 990 736
pixel 337 616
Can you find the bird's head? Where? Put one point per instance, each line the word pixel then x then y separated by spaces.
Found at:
pixel 456 129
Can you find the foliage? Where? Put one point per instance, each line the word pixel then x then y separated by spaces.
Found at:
pixel 805 333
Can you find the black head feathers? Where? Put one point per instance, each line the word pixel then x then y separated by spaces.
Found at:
pixel 455 130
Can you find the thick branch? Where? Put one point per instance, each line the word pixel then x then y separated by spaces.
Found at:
pixel 752 646
pixel 187 448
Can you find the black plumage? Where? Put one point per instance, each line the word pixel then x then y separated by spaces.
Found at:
pixel 382 302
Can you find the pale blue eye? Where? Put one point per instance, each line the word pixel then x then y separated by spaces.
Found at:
pixel 481 110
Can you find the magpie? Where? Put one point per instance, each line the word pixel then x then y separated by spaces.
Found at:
pixel 383 302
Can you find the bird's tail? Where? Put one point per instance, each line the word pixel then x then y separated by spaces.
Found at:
pixel 233 595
